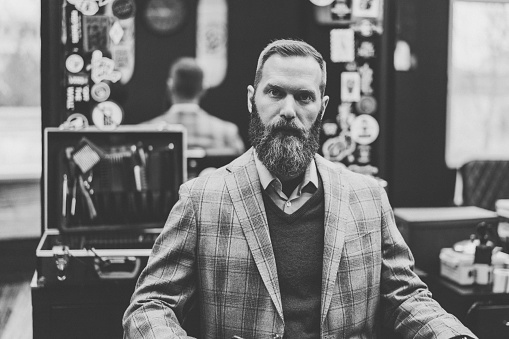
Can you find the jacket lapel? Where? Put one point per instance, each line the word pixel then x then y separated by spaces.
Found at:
pixel 245 191
pixel 336 195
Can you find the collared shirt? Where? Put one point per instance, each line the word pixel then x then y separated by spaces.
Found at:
pixel 273 187
pixel 203 130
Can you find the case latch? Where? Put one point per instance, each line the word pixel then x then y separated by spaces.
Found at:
pixel 61 255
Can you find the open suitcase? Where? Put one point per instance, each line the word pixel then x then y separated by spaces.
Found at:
pixel 106 197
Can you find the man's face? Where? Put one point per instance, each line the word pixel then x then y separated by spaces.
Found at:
pixel 289 89
pixel 286 111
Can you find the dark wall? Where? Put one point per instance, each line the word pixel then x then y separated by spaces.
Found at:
pixel 419 173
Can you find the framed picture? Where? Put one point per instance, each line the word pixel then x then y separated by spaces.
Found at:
pixel 342 45
pixel 164 16
pixel 350 87
pixel 96 29
pixel 367 9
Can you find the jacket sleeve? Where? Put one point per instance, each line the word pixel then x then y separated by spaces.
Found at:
pixel 407 304
pixel 164 293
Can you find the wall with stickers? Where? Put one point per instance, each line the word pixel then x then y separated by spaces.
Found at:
pixel 357 53
pixel 115 54
pixel 99 52
pixel 125 47
pixel 97 65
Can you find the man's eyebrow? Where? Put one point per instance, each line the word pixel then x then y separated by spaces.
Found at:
pixel 307 92
pixel 300 91
pixel 272 86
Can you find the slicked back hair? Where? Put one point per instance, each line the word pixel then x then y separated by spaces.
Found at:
pixel 187 78
pixel 290 48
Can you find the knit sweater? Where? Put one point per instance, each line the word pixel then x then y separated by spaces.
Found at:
pixel 297 241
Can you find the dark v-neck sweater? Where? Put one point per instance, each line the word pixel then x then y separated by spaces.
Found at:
pixel 297 240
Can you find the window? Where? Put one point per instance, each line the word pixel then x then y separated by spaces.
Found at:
pixel 20 119
pixel 20 112
pixel 478 99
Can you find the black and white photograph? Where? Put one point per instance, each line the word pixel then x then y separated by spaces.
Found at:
pixel 254 169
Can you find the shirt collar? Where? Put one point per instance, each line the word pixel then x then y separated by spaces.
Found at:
pixel 266 177
pixel 185 107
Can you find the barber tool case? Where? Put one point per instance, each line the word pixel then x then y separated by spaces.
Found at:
pixel 106 197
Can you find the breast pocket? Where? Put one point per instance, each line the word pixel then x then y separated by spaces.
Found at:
pixel 362 243
pixel 361 253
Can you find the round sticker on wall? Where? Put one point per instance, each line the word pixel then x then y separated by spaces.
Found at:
pixel 367 105
pixel 74 63
pixel 75 121
pixel 364 129
pixel 165 16
pixel 123 9
pixel 100 92
pixel 322 2
pixel 107 115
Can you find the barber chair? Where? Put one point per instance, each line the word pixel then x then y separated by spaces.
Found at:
pixel 484 182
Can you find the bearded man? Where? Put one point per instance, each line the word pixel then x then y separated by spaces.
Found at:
pixel 281 243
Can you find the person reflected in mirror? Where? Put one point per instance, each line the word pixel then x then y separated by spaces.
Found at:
pixel 204 131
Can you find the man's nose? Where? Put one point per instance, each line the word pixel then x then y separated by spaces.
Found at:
pixel 288 108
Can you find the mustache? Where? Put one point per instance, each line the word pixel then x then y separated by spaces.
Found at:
pixel 284 125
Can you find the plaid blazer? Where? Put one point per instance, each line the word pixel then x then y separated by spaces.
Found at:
pixel 215 253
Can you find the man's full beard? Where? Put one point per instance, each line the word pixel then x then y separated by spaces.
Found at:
pixel 284 148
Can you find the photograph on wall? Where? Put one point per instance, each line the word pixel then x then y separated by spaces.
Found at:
pixel 350 87
pixel 342 45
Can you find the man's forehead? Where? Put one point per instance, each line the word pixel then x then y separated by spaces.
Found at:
pixel 282 60
pixel 279 68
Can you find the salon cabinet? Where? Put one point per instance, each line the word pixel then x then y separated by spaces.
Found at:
pixel 79 311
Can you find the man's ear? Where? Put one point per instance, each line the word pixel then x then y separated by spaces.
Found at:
pixel 325 102
pixel 170 85
pixel 250 98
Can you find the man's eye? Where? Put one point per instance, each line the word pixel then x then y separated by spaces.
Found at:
pixel 274 92
pixel 305 98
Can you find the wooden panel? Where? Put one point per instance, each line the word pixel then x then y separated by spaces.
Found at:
pixel 16 310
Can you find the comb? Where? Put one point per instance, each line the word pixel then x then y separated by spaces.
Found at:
pixel 139 167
